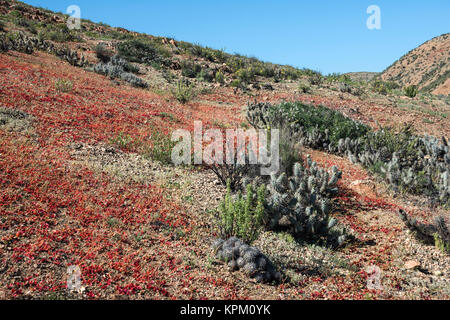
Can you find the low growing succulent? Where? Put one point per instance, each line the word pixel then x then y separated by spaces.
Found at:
pixel 240 256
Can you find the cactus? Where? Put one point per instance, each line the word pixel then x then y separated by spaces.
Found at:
pixel 115 68
pixel 410 163
pixel 23 43
pixel 300 204
pixel 240 256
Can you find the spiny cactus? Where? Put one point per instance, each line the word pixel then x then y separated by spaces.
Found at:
pixel 411 163
pixel 300 204
pixel 23 43
pixel 240 256
pixel 115 68
pixel 71 56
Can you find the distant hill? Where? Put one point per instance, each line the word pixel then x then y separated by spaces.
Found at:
pixel 427 67
pixel 362 76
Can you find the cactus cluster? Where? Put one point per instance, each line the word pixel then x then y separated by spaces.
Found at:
pixel 23 43
pixel 116 68
pixel 319 127
pixel 71 56
pixel 419 165
pixel 240 256
pixel 411 163
pixel 300 204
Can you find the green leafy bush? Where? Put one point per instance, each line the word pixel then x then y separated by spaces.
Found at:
pixel 411 91
pixel 63 85
pixel 183 92
pixel 384 87
pixel 328 125
pixel 122 141
pixel 58 33
pixel 315 79
pixel 304 88
pixel 190 69
pixel 220 77
pixel 205 75
pixel 242 217
pixel 103 53
pixel 161 148
pixel 143 52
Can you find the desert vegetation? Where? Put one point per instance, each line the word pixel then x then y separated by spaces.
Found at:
pixel 87 179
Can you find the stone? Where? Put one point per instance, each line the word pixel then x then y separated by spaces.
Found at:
pixel 412 264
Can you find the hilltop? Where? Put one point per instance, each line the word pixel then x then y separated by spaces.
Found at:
pixel 427 67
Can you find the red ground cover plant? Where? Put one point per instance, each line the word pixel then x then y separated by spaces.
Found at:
pixel 129 239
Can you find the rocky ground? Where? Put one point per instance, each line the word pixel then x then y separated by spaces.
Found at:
pixel 140 229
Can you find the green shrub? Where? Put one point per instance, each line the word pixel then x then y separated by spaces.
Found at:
pixel 384 87
pixel 304 88
pixel 184 92
pixel 143 52
pixel 102 53
pixel 190 69
pixel 205 75
pixel 161 148
pixel 220 78
pixel 441 244
pixel 63 85
pixel 411 91
pixel 328 122
pixel 122 141
pixel 315 79
pixel 244 216
pixel 58 33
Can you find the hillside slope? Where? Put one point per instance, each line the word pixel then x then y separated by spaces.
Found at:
pixel 426 66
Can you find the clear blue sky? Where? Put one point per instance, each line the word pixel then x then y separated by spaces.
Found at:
pixel 329 36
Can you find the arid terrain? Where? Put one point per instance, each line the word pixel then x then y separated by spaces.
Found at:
pixel 84 177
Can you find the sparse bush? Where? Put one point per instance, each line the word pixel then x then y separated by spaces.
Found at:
pixel 242 217
pixel 161 148
pixel 63 85
pixel 436 233
pixel 190 69
pixel 143 52
pixel 103 54
pixel 304 88
pixel 183 92
pixel 232 174
pixel 315 79
pixel 411 91
pixel 220 78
